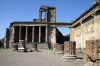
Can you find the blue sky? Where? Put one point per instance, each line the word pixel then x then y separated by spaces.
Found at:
pixel 27 10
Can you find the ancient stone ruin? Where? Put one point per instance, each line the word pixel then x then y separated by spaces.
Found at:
pixel 43 34
pixel 93 52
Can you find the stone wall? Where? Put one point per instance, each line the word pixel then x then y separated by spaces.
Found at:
pixel 87 29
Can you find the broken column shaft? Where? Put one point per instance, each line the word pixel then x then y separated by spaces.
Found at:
pixel 69 50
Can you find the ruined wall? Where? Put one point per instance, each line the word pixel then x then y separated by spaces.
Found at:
pixel 89 29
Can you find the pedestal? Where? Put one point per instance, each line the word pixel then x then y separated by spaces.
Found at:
pixel 22 46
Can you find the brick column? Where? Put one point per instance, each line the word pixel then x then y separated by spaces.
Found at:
pixel 39 34
pixel 26 33
pixel 69 50
pixel 71 34
pixel 20 33
pixel 33 34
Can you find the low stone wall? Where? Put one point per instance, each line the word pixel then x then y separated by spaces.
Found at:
pixel 42 46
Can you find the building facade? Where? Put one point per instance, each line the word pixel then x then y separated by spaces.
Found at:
pixel 85 27
pixel 40 31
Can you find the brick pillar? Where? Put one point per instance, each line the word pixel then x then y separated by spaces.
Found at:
pixel 20 33
pixel 39 34
pixel 69 50
pixel 33 34
pixel 71 34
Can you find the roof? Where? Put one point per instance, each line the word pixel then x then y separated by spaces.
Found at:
pixel 31 22
pixel 93 6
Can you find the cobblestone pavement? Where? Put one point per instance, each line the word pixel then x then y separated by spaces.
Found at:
pixel 42 58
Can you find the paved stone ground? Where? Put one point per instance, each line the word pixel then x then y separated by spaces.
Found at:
pixel 42 58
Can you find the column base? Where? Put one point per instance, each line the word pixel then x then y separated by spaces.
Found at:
pixel 67 57
pixel 22 49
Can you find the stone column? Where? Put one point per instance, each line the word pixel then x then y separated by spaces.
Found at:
pixel 40 15
pixel 33 34
pixel 39 34
pixel 69 50
pixel 26 33
pixel 13 33
pixel 46 34
pixel 20 33
pixel 71 34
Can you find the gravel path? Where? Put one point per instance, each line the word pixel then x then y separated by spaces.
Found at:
pixel 42 58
